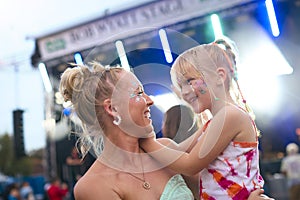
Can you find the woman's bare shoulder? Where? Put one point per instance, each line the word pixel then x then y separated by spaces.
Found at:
pixel 95 184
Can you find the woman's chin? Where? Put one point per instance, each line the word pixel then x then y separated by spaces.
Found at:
pixel 149 131
pixel 138 131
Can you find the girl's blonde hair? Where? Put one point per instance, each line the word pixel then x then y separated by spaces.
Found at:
pixel 86 87
pixel 203 60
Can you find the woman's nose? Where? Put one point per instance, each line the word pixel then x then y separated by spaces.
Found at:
pixel 149 100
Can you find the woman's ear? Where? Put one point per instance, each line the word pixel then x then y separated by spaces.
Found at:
pixel 221 73
pixel 108 107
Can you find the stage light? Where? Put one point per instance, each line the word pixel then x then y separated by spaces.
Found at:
pixel 78 58
pixel 45 77
pixel 260 64
pixel 215 20
pixel 272 18
pixel 165 101
pixel 122 55
pixel 258 53
pixel 165 44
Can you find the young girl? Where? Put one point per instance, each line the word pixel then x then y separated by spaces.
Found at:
pixel 226 152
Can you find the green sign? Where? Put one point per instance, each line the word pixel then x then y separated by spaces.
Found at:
pixel 55 45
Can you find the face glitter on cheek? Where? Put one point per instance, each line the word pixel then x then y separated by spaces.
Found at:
pixel 131 90
pixel 202 91
pixel 201 85
pixel 140 98
pixel 137 99
pixel 136 93
pixel 131 93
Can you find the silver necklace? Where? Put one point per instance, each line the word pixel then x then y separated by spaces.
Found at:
pixel 146 185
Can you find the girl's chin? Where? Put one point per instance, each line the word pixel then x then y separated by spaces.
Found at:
pixel 196 109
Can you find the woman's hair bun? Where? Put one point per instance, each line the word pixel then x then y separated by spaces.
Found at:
pixel 72 80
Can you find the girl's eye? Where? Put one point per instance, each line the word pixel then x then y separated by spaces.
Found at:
pixel 189 81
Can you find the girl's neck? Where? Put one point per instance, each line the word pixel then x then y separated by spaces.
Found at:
pixel 221 103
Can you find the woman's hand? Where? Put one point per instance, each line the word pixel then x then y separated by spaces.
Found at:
pixel 258 194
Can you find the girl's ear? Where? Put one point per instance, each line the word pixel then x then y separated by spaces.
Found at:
pixel 221 73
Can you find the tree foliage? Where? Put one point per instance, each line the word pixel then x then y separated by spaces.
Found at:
pixel 9 165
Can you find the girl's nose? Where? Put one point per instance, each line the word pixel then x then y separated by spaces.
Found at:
pixel 186 89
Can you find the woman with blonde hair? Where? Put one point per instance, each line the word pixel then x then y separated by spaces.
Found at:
pixel 115 112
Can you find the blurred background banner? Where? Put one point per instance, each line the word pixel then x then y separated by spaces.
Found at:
pixel 126 23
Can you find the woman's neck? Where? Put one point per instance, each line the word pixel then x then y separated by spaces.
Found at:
pixel 121 151
pixel 124 141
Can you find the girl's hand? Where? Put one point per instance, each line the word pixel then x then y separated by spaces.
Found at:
pixel 258 194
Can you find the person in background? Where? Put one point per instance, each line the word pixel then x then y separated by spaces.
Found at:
pixel 179 123
pixel 115 113
pixel 13 192
pixel 57 190
pixel 226 152
pixel 290 167
pixel 26 191
pixel 74 163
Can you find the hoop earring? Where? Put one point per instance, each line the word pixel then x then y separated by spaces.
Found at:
pixel 117 120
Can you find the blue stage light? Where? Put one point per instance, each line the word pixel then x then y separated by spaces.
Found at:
pixel 272 18
pixel 165 44
pixel 78 58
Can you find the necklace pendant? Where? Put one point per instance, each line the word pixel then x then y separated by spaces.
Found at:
pixel 146 185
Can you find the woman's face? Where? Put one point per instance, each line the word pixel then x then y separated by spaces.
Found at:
pixel 133 105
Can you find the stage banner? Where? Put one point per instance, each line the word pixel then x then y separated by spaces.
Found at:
pixel 141 19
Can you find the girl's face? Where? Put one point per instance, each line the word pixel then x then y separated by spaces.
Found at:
pixel 195 92
pixel 133 104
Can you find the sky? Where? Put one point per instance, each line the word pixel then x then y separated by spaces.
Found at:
pixel 21 85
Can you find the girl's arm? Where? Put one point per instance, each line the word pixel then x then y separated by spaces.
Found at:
pixel 185 145
pixel 191 141
pixel 188 144
pixel 221 130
